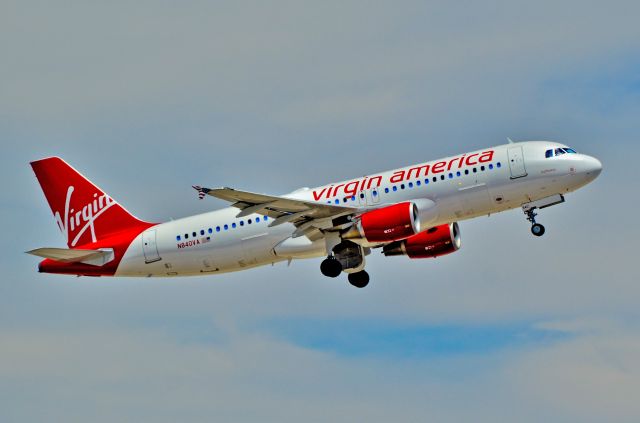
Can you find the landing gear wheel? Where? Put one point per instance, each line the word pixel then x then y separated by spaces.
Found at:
pixel 537 229
pixel 359 279
pixel 330 267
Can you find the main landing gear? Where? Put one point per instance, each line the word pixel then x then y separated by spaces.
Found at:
pixel 331 268
pixel 359 279
pixel 347 257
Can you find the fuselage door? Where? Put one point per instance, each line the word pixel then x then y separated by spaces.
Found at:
pixel 149 246
pixel 516 162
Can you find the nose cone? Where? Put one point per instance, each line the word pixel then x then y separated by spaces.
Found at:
pixel 593 166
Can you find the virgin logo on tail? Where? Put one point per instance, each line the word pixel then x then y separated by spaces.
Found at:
pixel 77 222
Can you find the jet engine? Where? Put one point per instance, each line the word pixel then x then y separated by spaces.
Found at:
pixel 393 223
pixel 438 241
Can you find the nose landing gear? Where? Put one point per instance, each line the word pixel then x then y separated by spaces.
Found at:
pixel 529 210
pixel 536 228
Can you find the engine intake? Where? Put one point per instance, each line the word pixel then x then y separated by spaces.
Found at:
pixel 438 241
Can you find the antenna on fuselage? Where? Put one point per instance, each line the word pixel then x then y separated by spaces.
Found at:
pixel 510 140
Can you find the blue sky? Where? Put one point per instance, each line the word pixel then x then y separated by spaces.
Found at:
pixel 150 98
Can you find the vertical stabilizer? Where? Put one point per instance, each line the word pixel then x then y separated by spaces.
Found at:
pixel 84 213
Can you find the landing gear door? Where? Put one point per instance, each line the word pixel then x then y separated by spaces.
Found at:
pixel 149 246
pixel 516 162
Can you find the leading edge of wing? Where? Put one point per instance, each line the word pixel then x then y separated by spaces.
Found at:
pixel 281 209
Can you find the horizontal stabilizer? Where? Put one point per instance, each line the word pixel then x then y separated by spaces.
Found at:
pixel 64 255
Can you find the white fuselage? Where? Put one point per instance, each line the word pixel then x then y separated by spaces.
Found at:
pixel 462 188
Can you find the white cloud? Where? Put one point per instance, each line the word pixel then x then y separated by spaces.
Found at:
pixel 593 377
pixel 111 373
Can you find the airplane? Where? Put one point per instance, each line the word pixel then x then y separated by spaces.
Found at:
pixel 411 211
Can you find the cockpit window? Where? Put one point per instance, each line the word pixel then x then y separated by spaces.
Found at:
pixel 559 151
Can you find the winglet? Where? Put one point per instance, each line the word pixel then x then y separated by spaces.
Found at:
pixel 201 191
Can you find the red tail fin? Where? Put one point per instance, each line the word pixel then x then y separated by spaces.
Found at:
pixel 83 212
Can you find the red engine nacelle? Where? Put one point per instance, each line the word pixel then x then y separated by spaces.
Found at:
pixel 438 241
pixel 387 224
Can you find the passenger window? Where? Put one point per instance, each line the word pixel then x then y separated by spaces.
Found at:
pixel 435 178
pixel 264 218
pixel 242 223
pixel 386 190
pixel 249 221
pixel 186 236
pixel 410 184
pixel 491 166
pixel 451 176
pixel 226 227
pixel 426 181
pixel 194 234
pixel 257 219
pixel 233 225
pixel 482 168
pixel 395 188
pixel 210 230
pixel 417 183
pixel 475 170
pixel 201 231
pixel 442 177
pixel 217 228
pixel 458 174
pixel 466 171
pixel 178 238
pixel 401 186
pixel 375 193
pixel 362 195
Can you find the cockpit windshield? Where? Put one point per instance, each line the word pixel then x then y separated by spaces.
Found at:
pixel 552 152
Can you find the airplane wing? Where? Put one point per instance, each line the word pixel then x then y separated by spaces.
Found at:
pixel 64 255
pixel 310 218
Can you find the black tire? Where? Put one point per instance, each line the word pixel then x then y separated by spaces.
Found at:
pixel 331 268
pixel 537 229
pixel 359 279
